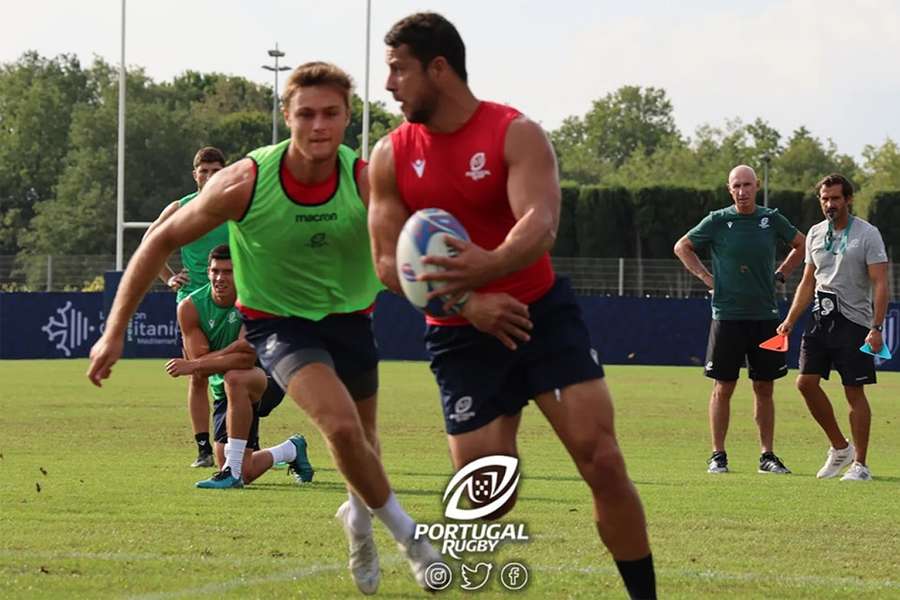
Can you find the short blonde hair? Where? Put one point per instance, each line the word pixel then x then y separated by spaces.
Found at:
pixel 318 73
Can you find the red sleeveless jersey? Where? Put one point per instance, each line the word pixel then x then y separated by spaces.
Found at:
pixel 465 173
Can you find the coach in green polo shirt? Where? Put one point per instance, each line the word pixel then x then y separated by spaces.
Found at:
pixel 742 239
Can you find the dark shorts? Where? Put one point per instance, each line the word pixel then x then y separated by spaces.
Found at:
pixel 344 342
pixel 835 341
pixel 480 379
pixel 271 398
pixel 735 344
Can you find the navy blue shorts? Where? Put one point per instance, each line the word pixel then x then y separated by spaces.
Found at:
pixel 271 398
pixel 480 379
pixel 345 342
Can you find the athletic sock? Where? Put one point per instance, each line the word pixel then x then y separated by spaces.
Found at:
pixel 360 519
pixel 395 519
pixel 284 452
pixel 234 456
pixel 639 577
pixel 202 440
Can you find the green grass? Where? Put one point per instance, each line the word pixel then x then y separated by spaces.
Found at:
pixel 117 514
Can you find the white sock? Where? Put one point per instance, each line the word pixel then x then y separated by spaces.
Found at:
pixel 360 519
pixel 395 519
pixel 284 452
pixel 234 456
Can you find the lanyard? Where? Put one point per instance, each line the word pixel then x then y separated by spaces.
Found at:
pixel 829 237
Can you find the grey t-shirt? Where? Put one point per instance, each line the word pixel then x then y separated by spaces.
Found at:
pixel 842 270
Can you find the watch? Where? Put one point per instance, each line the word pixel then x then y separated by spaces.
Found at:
pixel 779 277
pixel 878 328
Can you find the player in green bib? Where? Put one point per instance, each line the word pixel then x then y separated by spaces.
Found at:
pixel 207 162
pixel 742 239
pixel 305 284
pixel 242 393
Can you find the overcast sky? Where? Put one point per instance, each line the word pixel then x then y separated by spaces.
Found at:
pixel 831 65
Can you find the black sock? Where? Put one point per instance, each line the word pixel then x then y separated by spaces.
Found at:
pixel 202 440
pixel 639 578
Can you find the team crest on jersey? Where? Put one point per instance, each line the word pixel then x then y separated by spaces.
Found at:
pixel 476 167
pixel 418 166
pixel 764 223
pixel 232 317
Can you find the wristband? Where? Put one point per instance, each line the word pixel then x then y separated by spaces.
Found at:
pixel 779 277
pixel 878 328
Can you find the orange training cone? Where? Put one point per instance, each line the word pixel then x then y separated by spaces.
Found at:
pixel 779 343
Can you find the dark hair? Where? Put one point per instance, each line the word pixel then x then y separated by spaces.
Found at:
pixel 318 73
pixel 428 36
pixel 220 252
pixel 836 179
pixel 208 154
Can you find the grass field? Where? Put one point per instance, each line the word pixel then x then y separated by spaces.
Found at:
pixel 96 499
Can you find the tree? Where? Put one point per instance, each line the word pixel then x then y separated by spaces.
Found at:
pixel 806 160
pixel 880 173
pixel 627 119
pixel 619 124
pixel 37 98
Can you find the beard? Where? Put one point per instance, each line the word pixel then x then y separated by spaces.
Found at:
pixel 423 112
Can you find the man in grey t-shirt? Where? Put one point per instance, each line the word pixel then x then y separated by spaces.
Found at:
pixel 845 262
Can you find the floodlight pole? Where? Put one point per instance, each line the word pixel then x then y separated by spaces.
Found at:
pixel 276 54
pixel 120 175
pixel 365 115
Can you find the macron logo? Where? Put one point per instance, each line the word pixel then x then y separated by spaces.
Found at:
pixel 419 167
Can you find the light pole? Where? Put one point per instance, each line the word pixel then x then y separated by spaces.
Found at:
pixel 766 160
pixel 276 54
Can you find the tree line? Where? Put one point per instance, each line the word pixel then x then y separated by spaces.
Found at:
pixel 58 136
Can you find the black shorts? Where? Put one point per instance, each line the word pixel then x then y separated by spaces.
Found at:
pixel 271 398
pixel 344 342
pixel 835 340
pixel 480 379
pixel 735 344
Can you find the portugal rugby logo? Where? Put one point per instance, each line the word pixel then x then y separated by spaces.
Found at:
pixel 487 483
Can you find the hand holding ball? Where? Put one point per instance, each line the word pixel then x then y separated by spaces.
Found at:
pixel 424 234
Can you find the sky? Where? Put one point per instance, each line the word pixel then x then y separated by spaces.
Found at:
pixel 829 65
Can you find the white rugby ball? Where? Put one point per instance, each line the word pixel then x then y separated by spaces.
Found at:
pixel 425 234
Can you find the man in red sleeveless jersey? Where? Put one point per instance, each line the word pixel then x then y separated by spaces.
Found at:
pixel 519 333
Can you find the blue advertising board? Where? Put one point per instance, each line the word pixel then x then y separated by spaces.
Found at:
pixel 645 331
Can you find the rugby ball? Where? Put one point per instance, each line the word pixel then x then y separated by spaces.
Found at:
pixel 425 234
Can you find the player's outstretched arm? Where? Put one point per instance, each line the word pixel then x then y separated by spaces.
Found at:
pixel 387 213
pixel 167 275
pixel 224 197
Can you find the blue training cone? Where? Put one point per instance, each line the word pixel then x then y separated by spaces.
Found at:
pixel 883 353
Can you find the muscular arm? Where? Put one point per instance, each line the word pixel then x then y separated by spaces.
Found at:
pixel 684 250
pixel 224 197
pixel 802 297
pixel 534 196
pixel 795 256
pixel 166 272
pixel 387 213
